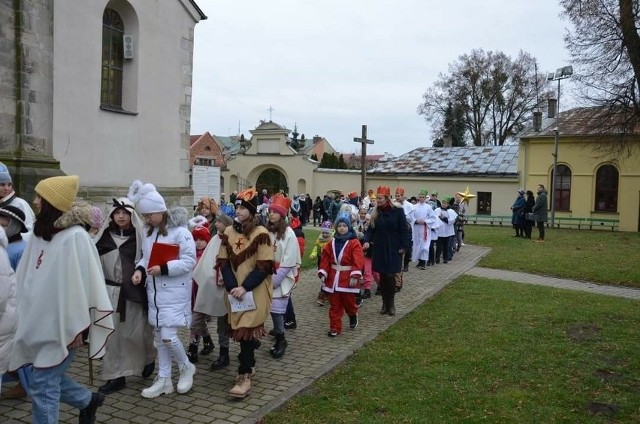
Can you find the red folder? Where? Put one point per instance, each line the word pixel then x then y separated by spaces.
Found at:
pixel 161 253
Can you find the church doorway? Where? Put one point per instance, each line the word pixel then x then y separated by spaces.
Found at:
pixel 272 180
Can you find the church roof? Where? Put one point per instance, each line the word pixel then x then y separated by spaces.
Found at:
pixel 589 121
pixel 269 125
pixel 441 161
pixel 228 142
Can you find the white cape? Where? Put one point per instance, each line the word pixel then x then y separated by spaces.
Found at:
pixel 210 297
pixel 61 292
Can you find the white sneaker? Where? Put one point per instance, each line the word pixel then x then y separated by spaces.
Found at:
pixel 187 370
pixel 161 385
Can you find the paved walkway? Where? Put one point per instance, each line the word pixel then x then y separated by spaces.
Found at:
pixel 310 354
pixel 560 283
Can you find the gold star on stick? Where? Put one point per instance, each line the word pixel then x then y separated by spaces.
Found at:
pixel 466 195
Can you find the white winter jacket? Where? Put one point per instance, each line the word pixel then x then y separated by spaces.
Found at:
pixel 169 296
pixel 8 305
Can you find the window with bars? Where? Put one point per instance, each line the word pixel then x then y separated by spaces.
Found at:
pixel 607 177
pixel 112 59
pixel 562 188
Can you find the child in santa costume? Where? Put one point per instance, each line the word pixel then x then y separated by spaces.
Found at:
pixel 340 270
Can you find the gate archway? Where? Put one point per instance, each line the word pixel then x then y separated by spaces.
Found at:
pixel 272 180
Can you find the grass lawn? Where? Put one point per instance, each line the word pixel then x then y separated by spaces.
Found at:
pixel 489 351
pixel 310 235
pixel 600 256
pixel 494 351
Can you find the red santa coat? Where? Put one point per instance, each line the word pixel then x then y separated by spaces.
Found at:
pixel 338 270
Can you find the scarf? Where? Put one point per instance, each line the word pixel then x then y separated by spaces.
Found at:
pixel 7 199
pixel 127 252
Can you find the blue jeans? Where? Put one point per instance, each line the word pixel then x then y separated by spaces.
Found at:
pixel 49 386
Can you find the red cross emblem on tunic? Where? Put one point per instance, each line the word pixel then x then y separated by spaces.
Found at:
pixel 239 243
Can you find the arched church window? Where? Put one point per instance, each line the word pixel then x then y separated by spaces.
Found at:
pixel 607 177
pixel 112 59
pixel 562 188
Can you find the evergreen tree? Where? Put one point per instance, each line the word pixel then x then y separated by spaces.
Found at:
pixel 341 163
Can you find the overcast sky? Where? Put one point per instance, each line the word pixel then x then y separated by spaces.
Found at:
pixel 333 65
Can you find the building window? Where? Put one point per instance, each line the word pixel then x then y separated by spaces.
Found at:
pixel 112 60
pixel 562 188
pixel 607 189
pixel 205 162
pixel 484 203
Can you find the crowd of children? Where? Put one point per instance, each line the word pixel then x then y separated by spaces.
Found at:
pixel 236 264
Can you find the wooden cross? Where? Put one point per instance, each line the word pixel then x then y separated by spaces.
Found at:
pixel 364 141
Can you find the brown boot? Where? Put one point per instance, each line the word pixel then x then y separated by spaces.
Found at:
pixel 16 392
pixel 242 387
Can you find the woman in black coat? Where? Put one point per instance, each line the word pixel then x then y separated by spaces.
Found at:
pixel 528 208
pixel 388 235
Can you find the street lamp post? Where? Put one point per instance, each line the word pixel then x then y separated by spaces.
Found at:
pixel 560 74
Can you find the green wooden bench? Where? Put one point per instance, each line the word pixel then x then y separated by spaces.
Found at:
pixel 606 223
pixel 566 222
pixel 586 223
pixel 488 220
pixel 559 222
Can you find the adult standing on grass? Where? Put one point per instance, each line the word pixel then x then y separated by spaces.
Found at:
pixel 528 209
pixel 517 211
pixel 246 262
pixel 388 235
pixel 540 212
pixel 61 292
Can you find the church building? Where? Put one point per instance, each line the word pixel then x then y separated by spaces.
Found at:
pixel 101 89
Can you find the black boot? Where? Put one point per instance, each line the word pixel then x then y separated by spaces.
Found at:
pixel 366 294
pixel 383 311
pixel 148 369
pixel 223 359
pixel 278 349
pixel 192 353
pixel 208 345
pixel 391 305
pixel 112 386
pixel 291 324
pixel 88 414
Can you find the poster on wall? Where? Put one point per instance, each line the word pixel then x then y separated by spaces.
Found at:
pixel 205 182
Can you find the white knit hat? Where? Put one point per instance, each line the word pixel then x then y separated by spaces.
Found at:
pixel 146 198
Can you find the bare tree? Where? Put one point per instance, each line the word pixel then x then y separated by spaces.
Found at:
pixel 495 93
pixel 605 48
